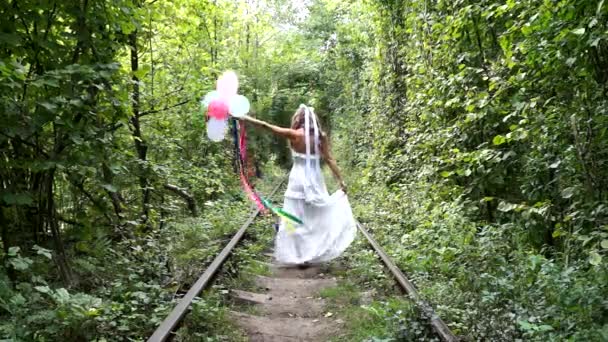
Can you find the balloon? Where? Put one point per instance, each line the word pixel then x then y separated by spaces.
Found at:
pixel 221 103
pixel 238 106
pixel 216 129
pixel 213 95
pixel 218 109
pixel 227 84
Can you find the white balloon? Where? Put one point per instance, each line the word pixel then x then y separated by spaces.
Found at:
pixel 210 97
pixel 216 129
pixel 238 106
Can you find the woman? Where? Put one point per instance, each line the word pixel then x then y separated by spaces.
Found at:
pixel 328 225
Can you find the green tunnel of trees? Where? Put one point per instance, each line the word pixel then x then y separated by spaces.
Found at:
pixel 473 135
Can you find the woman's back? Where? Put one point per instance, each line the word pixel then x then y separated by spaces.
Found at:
pixel 305 126
pixel 298 143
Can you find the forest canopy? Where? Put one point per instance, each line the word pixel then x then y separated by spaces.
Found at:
pixel 472 134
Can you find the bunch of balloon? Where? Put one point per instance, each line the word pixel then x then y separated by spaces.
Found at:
pixel 221 103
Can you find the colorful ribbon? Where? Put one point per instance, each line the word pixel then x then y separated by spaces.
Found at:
pixel 281 212
pixel 240 149
pixel 252 194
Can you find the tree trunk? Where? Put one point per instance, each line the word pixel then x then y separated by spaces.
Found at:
pixel 186 196
pixel 4 235
pixel 215 37
pixel 60 257
pixel 140 144
pixel 116 198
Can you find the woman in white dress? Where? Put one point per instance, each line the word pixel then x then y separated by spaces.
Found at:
pixel 328 226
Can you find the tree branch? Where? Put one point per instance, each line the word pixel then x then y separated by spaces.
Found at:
pixel 96 203
pixel 164 109
pixel 185 195
pixel 68 221
pixel 27 143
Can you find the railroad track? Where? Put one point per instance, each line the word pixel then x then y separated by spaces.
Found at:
pixel 286 299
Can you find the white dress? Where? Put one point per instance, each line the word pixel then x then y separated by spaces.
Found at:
pixel 328 225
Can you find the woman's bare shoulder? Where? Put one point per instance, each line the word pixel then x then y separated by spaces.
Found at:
pixel 298 142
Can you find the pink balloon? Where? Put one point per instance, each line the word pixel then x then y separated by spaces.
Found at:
pixel 227 84
pixel 218 109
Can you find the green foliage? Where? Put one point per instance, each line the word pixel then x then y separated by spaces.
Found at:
pixel 127 288
pixel 209 321
pixel 96 136
pixel 389 321
pixel 473 134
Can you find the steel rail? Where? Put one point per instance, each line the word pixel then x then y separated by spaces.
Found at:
pixel 165 329
pixel 437 323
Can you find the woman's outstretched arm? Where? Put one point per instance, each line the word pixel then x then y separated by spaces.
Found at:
pixel 280 131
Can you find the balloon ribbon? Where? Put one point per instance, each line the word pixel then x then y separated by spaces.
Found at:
pixel 240 146
pixel 281 212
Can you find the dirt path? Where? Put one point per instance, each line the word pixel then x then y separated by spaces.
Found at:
pixel 286 306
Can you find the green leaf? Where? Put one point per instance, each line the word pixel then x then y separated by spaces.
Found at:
pixel 92 312
pixel 446 174
pixel 18 300
pixel 21 198
pixel 49 106
pixel 127 27
pixel 594 258
pixel 109 187
pixel 21 264
pixel 43 251
pixel 13 251
pixel 10 39
pixel 506 207
pixel 604 244
pixel 525 325
pixel 142 72
pixel 61 295
pixel 570 61
pixel 499 140
pixel 555 165
pixel 468 172
pixel 42 289
pixel 579 31
pixel 568 192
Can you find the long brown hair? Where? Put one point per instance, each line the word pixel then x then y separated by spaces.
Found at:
pixel 298 121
